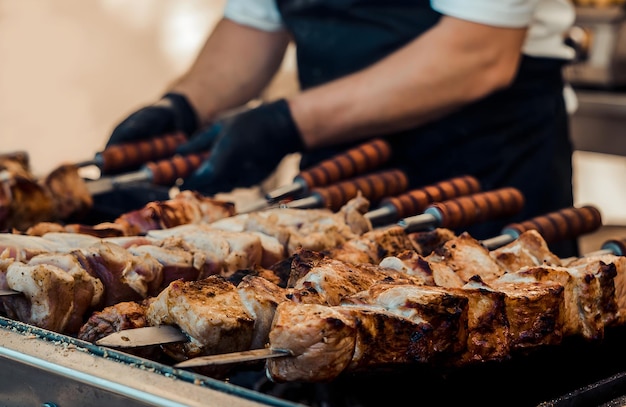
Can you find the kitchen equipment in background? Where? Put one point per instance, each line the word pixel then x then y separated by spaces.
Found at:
pixel 599 36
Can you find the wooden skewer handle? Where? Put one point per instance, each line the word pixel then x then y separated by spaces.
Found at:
pixel 357 160
pixel 126 155
pixel 479 207
pixel 373 186
pixel 166 172
pixel 563 224
pixel 417 200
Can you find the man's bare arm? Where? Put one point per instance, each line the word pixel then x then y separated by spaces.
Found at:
pixel 235 64
pixel 454 63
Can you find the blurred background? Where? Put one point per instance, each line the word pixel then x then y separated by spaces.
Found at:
pixel 71 69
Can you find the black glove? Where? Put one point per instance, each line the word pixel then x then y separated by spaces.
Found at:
pixel 172 113
pixel 244 149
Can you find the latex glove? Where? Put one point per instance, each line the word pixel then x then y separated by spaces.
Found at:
pixel 172 113
pixel 244 149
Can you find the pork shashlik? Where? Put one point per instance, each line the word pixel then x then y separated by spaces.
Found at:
pixel 133 268
pixel 338 316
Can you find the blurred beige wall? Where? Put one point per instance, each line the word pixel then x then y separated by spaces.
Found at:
pixel 71 69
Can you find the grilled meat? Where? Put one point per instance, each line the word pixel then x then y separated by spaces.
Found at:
pixel 114 318
pixel 611 273
pixel 428 241
pixel 373 246
pixel 582 311
pixel 209 311
pixel 529 249
pixel 446 311
pixel 187 207
pixel 534 311
pixel 328 340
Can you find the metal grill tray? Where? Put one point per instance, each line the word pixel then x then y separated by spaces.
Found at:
pixel 39 367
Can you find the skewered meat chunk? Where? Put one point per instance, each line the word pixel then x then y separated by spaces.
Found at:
pixel 488 337
pixel 58 291
pixel 445 311
pixel 88 290
pixel 328 340
pixel 411 263
pixel 609 270
pixel 28 203
pixel 322 279
pixel 432 269
pixel 22 248
pixel 114 318
pixel 321 338
pixel 313 229
pixel 371 247
pixel 209 311
pixel 272 250
pixel 226 251
pixel 428 241
pixel 260 297
pixel 534 310
pixel 529 249
pixel 187 207
pixel 178 263
pixel 48 299
pixel 582 296
pixel 467 258
pixel 126 277
pixel 469 324
pixel 71 198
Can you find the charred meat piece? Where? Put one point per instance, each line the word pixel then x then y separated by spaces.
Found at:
pixel 371 247
pixel 581 297
pixel 609 271
pixel 260 297
pixel 468 258
pixel 114 318
pixel 125 276
pixel 209 311
pixel 187 207
pixel 225 252
pixel 88 290
pixel 72 199
pixel 327 340
pixel 428 241
pixel 446 311
pixel 328 281
pixel 48 295
pixel 529 249
pixel 535 311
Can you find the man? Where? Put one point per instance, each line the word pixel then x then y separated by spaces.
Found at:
pixel 456 87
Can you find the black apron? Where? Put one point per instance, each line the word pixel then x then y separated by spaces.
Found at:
pixel 516 137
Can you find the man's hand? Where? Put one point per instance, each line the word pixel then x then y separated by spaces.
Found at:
pixel 172 113
pixel 244 149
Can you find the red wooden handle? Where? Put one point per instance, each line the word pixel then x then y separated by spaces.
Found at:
pixel 127 155
pixel 563 224
pixel 357 160
pixel 166 172
pixel 373 186
pixel 417 200
pixel 479 207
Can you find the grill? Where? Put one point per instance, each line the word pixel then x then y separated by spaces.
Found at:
pixel 42 367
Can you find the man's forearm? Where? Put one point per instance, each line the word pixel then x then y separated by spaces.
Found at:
pixel 235 64
pixel 453 64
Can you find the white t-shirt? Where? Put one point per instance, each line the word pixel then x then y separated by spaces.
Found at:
pixel 547 19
